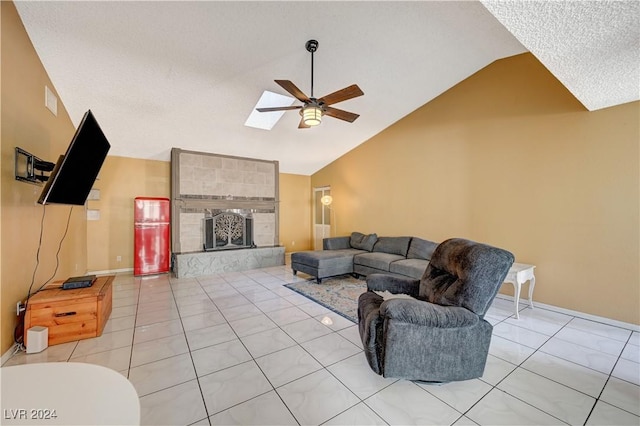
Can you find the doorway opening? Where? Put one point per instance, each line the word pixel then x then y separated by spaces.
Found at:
pixel 322 216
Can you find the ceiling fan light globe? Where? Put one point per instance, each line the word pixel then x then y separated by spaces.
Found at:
pixel 312 116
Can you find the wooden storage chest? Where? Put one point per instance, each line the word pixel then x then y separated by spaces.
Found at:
pixel 70 314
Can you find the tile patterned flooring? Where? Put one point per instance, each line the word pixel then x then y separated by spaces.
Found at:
pixel 239 348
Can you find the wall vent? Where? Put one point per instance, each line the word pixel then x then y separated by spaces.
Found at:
pixel 50 101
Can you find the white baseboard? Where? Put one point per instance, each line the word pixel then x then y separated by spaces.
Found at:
pixel 8 354
pixel 111 271
pixel 603 320
pixel 523 302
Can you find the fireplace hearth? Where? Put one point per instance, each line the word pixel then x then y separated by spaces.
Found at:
pixel 224 213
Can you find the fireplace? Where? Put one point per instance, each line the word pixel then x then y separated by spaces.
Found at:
pixel 222 202
pixel 228 230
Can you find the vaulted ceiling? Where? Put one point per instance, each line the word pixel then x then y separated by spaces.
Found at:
pixel 159 75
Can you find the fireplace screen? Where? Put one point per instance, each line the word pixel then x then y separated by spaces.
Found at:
pixel 228 231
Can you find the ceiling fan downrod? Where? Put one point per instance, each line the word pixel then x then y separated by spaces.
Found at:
pixel 312 46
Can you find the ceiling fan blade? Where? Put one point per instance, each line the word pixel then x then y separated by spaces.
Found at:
pixel 293 89
pixel 302 125
pixel 283 108
pixel 352 91
pixel 341 114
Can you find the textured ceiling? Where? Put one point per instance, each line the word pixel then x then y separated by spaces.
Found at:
pixel 592 47
pixel 159 75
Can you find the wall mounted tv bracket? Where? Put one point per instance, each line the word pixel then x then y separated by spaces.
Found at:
pixel 29 168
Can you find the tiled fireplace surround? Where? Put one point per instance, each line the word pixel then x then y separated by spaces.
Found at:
pixel 204 185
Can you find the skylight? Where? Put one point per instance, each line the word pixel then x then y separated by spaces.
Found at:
pixel 266 120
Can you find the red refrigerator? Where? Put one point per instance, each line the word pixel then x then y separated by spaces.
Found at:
pixel 151 236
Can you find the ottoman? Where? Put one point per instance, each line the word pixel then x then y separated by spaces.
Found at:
pixel 324 263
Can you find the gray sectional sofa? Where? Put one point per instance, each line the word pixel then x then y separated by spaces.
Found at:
pixel 362 254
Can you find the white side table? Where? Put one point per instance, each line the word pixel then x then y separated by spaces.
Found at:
pixel 519 274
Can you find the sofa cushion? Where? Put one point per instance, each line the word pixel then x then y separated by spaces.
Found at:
pixel 393 245
pixel 377 260
pixel 363 242
pixel 336 243
pixel 421 249
pixel 413 268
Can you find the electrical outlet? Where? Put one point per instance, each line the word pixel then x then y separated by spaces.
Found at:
pixel 19 308
pixel 293 243
pixel 118 258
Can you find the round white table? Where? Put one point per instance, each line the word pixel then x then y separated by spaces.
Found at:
pixel 66 393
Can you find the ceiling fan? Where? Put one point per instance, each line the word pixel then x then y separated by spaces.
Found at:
pixel 313 109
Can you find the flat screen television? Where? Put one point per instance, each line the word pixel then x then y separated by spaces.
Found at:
pixel 76 170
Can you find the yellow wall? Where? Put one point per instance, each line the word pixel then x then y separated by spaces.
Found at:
pixel 509 157
pixel 121 179
pixel 26 123
pixel 295 212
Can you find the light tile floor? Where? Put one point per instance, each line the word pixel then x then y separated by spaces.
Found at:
pixel 239 348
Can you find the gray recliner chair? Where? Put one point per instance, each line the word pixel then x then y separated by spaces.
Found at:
pixel 439 336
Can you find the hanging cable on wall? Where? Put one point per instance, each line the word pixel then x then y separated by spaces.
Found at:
pixel 18 334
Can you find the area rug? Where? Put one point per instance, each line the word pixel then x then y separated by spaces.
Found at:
pixel 340 294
